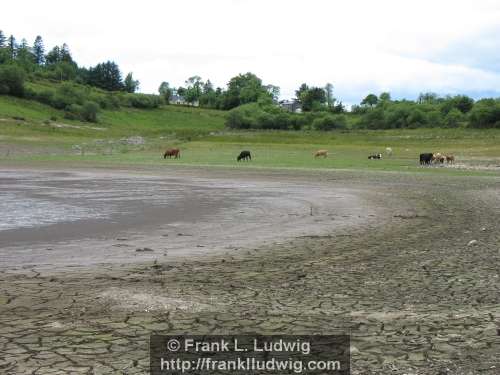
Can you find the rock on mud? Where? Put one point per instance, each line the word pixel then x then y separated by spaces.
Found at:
pixel 144 249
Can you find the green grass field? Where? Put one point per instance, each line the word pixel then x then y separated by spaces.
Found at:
pixel 203 139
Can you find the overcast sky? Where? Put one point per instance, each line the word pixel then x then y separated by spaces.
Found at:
pixel 360 46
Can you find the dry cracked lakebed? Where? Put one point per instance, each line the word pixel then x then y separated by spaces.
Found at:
pixel 94 261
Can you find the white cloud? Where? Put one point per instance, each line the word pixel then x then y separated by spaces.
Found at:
pixel 359 46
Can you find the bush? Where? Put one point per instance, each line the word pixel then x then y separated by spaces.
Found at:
pixel 86 112
pixel 453 118
pixel 485 114
pixel 434 118
pixel 330 122
pixel 45 97
pixel 374 119
pixel 143 101
pixel 73 112
pixel 29 93
pixel 460 102
pixel 239 118
pixel 66 95
pixel 12 80
pixel 89 111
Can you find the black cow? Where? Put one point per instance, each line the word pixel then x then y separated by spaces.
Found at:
pixel 376 156
pixel 426 158
pixel 244 155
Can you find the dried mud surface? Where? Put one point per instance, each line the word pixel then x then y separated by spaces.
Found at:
pixel 401 279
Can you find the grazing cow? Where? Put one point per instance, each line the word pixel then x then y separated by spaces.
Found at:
pixel 426 158
pixel 450 159
pixel 388 151
pixel 438 158
pixel 244 155
pixel 323 153
pixel 376 156
pixel 175 152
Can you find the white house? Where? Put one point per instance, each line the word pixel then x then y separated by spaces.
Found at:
pixel 290 105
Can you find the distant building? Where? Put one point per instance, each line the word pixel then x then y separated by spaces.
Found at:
pixel 290 105
pixel 179 100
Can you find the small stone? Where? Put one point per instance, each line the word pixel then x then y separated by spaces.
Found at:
pixel 472 243
pixel 483 229
pixel 143 249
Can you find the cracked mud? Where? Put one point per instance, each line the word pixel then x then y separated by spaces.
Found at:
pixel 386 257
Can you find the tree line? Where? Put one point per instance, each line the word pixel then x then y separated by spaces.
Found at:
pixel 58 64
pixel 251 103
pixel 82 91
pixel 428 110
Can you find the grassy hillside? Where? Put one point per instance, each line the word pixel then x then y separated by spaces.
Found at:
pixel 47 124
pixel 32 132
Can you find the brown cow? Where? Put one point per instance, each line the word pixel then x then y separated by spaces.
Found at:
pixel 450 159
pixel 323 153
pixel 175 152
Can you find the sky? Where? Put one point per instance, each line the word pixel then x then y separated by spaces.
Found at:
pixel 360 46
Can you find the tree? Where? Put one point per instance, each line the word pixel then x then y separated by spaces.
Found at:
pixel 427 98
pixel 3 39
pixel 59 54
pixel 274 91
pixel 4 55
pixel 181 91
pixel 330 100
pixel 384 97
pixel 39 50
pixel 131 85
pixel 302 89
pixel 209 96
pixel 12 47
pixel 107 76
pixel 54 56
pixel 461 102
pixel 338 108
pixel 66 54
pixel 24 56
pixel 193 89
pixel 244 88
pixel 23 45
pixel 312 99
pixel 208 87
pixel 165 91
pixel 64 70
pixel 12 80
pixel 370 100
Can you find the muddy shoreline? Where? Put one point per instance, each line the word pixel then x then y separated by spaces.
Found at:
pixel 404 282
pixel 89 217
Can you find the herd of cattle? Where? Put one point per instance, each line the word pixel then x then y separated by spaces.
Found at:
pixel 437 158
pixel 425 158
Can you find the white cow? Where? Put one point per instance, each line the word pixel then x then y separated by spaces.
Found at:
pixel 388 151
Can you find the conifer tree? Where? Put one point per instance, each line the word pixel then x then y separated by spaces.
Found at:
pixel 12 47
pixel 3 39
pixel 39 51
